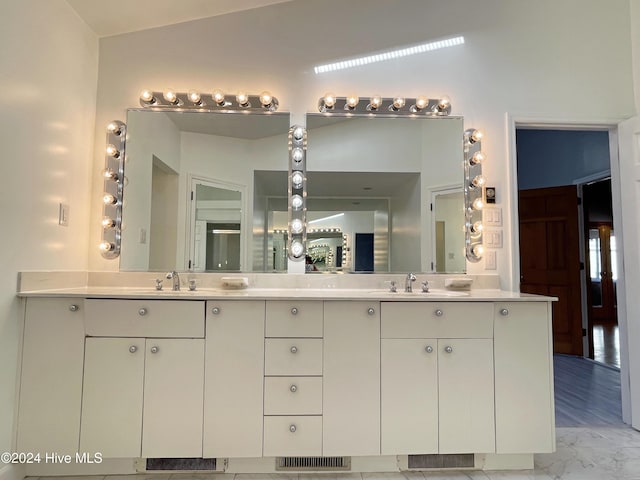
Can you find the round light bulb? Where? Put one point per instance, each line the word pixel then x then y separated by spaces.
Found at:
pixel 108 222
pixel 478 181
pixel 375 101
pixel 444 103
pixel 109 199
pixel 194 97
pixel 297 179
pixel 476 158
pixel 477 227
pixel 147 96
pixel 421 102
pixel 266 98
pixel 297 249
pixel 352 101
pixel 110 174
pixel 296 202
pixel 329 100
pixel 398 102
pixel 476 136
pixel 242 99
pixel 297 155
pixel 478 250
pixel 477 204
pixel 218 96
pixel 170 95
pixel 296 225
pixel 106 246
pixel 112 151
pixel 115 127
pixel 298 133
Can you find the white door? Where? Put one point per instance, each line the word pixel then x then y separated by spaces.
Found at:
pixel 629 157
pixel 200 246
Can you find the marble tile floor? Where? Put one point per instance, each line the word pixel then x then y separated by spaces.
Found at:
pixel 583 453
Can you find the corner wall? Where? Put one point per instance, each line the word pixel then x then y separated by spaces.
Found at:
pixel 48 76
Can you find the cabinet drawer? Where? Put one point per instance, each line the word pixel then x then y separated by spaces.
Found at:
pixel 293 356
pixel 436 320
pixel 293 436
pixel 293 395
pixel 294 319
pixel 144 318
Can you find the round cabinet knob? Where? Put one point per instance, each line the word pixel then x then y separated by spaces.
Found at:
pixel 155 349
pixel 438 313
pixel 215 310
pixel 142 312
pixel 73 308
pixel 504 312
pixel 294 311
pixel 133 349
pixel 292 428
pixel 294 349
pixel 448 349
pixel 428 349
pixel 371 311
pixel 293 388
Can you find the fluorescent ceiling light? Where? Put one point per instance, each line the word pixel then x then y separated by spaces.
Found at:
pixel 381 57
pixel 326 218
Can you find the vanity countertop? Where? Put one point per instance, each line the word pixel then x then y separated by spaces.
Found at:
pixel 488 295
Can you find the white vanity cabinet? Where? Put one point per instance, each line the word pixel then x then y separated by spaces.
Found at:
pixel 351 381
pixel 525 420
pixel 143 396
pixel 234 376
pixel 437 378
pixel 51 381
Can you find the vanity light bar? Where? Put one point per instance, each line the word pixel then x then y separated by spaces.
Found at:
pixel 378 105
pixel 474 194
pixel 113 175
pixel 210 102
pixel 297 188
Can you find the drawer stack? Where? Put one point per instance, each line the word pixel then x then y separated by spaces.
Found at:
pixel 293 379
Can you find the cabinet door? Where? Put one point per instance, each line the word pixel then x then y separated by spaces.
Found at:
pixel 51 381
pixel 525 420
pixel 465 376
pixel 409 383
pixel 112 396
pixel 173 398
pixel 234 377
pixel 351 377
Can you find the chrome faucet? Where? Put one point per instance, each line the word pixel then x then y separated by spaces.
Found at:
pixel 408 281
pixel 176 280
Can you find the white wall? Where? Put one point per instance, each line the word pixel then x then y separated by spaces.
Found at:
pixel 48 78
pixel 540 58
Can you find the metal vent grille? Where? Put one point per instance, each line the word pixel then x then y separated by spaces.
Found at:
pixel 313 463
pixel 181 464
pixel 441 461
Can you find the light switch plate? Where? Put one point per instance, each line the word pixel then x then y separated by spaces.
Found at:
pixel 63 215
pixel 142 237
pixel 492 217
pixel 492 238
pixel 490 260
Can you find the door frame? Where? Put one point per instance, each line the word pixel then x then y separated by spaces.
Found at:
pixel 515 121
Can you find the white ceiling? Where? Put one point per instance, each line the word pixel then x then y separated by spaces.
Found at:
pixel 114 17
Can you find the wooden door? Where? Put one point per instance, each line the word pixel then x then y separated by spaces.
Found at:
pixel 409 396
pixel 173 398
pixel 112 397
pixel 550 258
pixel 601 247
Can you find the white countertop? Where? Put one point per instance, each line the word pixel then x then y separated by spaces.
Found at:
pixel 482 295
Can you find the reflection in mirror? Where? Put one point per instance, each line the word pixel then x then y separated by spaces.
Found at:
pixel 448 241
pixel 189 200
pixel 389 167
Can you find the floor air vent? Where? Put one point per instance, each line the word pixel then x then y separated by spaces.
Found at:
pixel 181 464
pixel 441 461
pixel 313 463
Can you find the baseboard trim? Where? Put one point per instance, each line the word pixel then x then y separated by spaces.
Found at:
pixel 12 472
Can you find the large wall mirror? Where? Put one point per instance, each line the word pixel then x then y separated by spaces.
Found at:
pixel 392 188
pixel 193 192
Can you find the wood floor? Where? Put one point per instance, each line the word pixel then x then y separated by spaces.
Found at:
pixel 587 393
pixel 606 343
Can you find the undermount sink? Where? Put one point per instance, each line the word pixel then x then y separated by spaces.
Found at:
pixel 420 293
